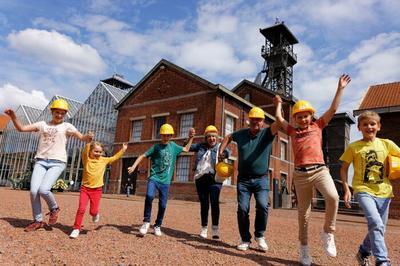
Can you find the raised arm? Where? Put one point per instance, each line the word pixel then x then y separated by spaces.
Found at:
pixel 85 138
pixel 342 83
pixel 343 177
pixel 280 121
pixel 119 153
pixel 17 124
pixel 222 147
pixel 192 132
pixel 136 163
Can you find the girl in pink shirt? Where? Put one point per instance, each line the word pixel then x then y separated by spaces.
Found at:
pixel 310 170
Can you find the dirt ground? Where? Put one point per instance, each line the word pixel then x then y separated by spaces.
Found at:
pixel 115 239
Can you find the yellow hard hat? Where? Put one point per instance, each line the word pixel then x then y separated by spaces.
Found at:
pixel 302 106
pixel 224 170
pixel 210 129
pixel 59 104
pixel 166 129
pixel 256 112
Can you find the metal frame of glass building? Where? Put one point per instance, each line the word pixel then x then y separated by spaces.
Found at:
pixel 96 114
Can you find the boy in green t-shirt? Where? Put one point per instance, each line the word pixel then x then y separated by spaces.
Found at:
pixel 163 156
pixel 372 188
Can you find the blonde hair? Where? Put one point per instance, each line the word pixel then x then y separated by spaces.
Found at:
pixel 94 144
pixel 368 114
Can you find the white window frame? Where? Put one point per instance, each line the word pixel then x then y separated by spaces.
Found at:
pixel 137 127
pixel 182 169
pixel 233 119
pixel 186 122
pixel 283 143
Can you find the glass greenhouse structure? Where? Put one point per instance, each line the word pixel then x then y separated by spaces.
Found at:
pixel 97 114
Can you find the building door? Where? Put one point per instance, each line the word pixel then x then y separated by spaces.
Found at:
pixel 276 194
pixel 127 162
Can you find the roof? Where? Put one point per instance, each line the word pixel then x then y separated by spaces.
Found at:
pixel 263 89
pixel 120 79
pixel 117 94
pixel 31 113
pixel 198 78
pixel 382 98
pixel 271 33
pixel 3 121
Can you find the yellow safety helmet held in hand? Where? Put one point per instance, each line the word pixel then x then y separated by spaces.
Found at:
pixel 59 104
pixel 224 170
pixel 256 112
pixel 302 106
pixel 166 129
pixel 210 129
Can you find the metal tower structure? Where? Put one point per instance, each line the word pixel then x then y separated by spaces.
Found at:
pixel 277 73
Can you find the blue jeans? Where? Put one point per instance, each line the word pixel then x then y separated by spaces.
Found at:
pixel 376 212
pixel 44 175
pixel 162 189
pixel 245 188
pixel 208 191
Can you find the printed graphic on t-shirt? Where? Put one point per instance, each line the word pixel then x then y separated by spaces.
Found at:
pixel 165 159
pixel 373 169
pixel 49 135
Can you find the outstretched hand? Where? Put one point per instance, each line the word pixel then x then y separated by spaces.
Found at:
pixel 344 80
pixel 277 99
pixel 131 169
pixel 124 146
pixel 192 132
pixel 10 113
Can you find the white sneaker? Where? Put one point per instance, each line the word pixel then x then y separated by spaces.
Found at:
pixel 203 232
pixel 262 244
pixel 96 218
pixel 74 233
pixel 305 258
pixel 215 234
pixel 143 229
pixel 329 244
pixel 243 246
pixel 157 231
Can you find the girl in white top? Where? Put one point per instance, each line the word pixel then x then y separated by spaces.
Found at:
pixel 51 158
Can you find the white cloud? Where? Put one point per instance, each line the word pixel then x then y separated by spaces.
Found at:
pixel 213 57
pixel 55 25
pixel 57 50
pixel 11 97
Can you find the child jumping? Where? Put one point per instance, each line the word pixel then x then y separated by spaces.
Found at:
pixel 94 166
pixel 372 188
pixel 163 156
pixel 310 170
pixel 51 158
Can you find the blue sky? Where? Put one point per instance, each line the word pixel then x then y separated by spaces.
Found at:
pixel 66 47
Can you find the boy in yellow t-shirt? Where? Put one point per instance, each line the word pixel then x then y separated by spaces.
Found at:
pixel 94 166
pixel 372 188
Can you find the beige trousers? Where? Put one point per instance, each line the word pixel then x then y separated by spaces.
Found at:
pixel 323 182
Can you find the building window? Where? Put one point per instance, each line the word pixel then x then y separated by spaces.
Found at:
pixel 284 186
pixel 284 146
pixel 182 168
pixel 186 124
pixel 229 124
pixel 247 97
pixel 136 130
pixel 158 122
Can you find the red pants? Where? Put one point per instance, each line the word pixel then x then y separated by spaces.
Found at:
pixel 92 194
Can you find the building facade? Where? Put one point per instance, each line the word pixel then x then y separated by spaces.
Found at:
pixel 170 94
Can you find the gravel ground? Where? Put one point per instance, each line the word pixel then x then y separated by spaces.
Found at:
pixel 115 239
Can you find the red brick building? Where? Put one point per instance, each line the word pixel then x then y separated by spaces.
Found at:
pixel 171 94
pixel 385 100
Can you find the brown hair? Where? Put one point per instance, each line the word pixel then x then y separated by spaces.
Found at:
pixel 368 114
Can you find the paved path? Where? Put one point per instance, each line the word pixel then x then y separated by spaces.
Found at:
pixel 114 241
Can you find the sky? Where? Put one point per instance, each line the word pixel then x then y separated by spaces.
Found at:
pixel 66 47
